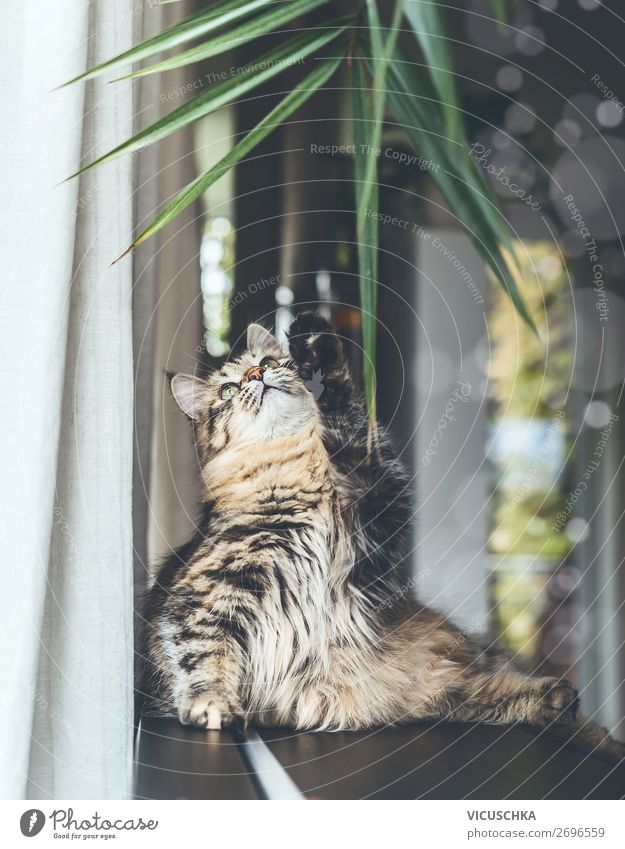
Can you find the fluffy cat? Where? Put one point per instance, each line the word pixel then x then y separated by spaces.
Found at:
pixel 285 608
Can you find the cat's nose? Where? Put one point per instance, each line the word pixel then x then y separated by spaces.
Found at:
pixel 255 373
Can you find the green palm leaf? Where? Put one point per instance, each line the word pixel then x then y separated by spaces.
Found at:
pixel 456 178
pixel 425 19
pixel 454 189
pixel 381 54
pixel 499 10
pixel 367 187
pixel 275 118
pixel 265 68
pixel 409 80
pixel 366 229
pixel 191 28
pixel 248 31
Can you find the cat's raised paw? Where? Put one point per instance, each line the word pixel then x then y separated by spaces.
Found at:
pixel 313 344
pixel 559 702
pixel 207 711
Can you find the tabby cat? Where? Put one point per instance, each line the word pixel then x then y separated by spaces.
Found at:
pixel 286 608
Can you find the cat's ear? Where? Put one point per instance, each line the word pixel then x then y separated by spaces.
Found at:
pixel 261 341
pixel 190 393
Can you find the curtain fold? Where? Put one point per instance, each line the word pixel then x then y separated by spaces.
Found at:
pixel 167 327
pixel 66 321
pixel 167 321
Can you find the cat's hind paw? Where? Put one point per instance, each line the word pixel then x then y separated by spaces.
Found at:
pixel 559 702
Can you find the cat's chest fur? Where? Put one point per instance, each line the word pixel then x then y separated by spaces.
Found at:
pixel 279 513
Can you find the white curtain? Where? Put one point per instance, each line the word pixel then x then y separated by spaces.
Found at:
pixel 66 430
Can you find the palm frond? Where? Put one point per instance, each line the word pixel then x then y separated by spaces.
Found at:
pixel 469 198
pixel 219 15
pixel 232 89
pixel 300 94
pixel 426 22
pixel 424 105
pixel 370 112
pixel 246 32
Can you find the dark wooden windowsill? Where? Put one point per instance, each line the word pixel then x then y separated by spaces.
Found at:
pixel 425 761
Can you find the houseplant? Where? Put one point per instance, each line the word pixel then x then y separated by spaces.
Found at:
pixel 386 83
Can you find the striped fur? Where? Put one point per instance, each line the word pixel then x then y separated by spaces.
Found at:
pixel 285 607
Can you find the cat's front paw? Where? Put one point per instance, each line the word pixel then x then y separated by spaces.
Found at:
pixel 208 710
pixel 314 345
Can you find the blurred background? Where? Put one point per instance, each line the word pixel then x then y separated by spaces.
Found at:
pixel 516 533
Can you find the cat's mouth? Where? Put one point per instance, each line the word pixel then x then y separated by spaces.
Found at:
pixel 270 387
pixel 268 391
pixel 261 392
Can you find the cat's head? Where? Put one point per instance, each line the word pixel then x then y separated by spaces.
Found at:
pixel 252 399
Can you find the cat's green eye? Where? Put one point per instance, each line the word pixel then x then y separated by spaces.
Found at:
pixel 269 362
pixel 228 390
